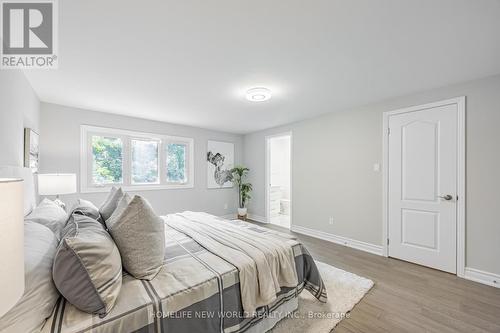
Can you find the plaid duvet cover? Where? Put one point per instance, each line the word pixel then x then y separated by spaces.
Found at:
pixel 196 291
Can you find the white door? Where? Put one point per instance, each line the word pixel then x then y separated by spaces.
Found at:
pixel 423 186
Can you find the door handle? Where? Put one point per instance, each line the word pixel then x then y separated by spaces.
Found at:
pixel 447 197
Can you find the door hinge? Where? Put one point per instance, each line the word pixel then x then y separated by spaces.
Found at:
pixel 389 131
pixel 387 241
pixel 457 197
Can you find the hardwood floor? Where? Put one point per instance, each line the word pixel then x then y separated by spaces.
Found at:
pixel 408 297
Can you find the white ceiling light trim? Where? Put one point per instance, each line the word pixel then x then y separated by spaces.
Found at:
pixel 258 94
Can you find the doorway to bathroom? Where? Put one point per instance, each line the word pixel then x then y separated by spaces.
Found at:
pixel 279 179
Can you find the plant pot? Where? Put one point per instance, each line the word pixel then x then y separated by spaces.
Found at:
pixel 242 211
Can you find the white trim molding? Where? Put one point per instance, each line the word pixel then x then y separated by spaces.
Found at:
pixel 460 102
pixel 352 243
pixel 257 218
pixel 233 216
pixel 483 277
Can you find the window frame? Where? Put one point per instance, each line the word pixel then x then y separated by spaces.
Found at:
pixel 86 159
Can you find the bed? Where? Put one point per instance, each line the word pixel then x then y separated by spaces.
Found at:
pixel 186 295
pixel 197 289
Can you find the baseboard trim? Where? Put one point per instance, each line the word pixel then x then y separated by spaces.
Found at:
pixel 471 274
pixel 257 218
pixel 253 217
pixel 355 244
pixel 229 216
pixel 483 277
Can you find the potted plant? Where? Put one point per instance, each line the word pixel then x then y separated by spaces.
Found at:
pixel 244 189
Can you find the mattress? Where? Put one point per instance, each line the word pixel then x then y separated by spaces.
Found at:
pixel 195 291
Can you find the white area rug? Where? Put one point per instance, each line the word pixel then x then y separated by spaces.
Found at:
pixel 344 289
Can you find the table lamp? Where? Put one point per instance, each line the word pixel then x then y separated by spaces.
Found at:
pixel 57 184
pixel 11 243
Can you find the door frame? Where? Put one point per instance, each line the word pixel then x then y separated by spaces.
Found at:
pixel 268 173
pixel 461 165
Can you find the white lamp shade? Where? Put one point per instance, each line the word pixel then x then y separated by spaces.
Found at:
pixel 56 183
pixel 11 243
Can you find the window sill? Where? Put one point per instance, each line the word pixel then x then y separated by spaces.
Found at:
pixel 132 188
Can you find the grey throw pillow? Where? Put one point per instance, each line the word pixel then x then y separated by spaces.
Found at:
pixel 40 294
pixel 140 236
pixel 120 207
pixel 87 208
pixel 87 267
pixel 50 215
pixel 109 206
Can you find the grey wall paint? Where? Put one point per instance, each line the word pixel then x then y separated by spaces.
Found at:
pixel 332 169
pixel 333 158
pixel 60 152
pixel 19 108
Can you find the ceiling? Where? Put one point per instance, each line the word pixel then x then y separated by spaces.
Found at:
pixel 191 61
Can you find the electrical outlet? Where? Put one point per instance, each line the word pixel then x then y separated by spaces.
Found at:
pixel 225 206
pixel 330 220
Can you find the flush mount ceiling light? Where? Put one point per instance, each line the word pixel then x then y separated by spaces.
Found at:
pixel 258 94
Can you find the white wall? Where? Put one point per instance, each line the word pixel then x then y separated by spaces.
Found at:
pixel 60 152
pixel 340 181
pixel 19 108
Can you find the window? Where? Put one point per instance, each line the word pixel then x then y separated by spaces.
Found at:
pixel 134 160
pixel 107 160
pixel 145 162
pixel 176 163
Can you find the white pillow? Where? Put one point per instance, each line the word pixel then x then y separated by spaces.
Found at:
pixel 50 215
pixel 40 294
